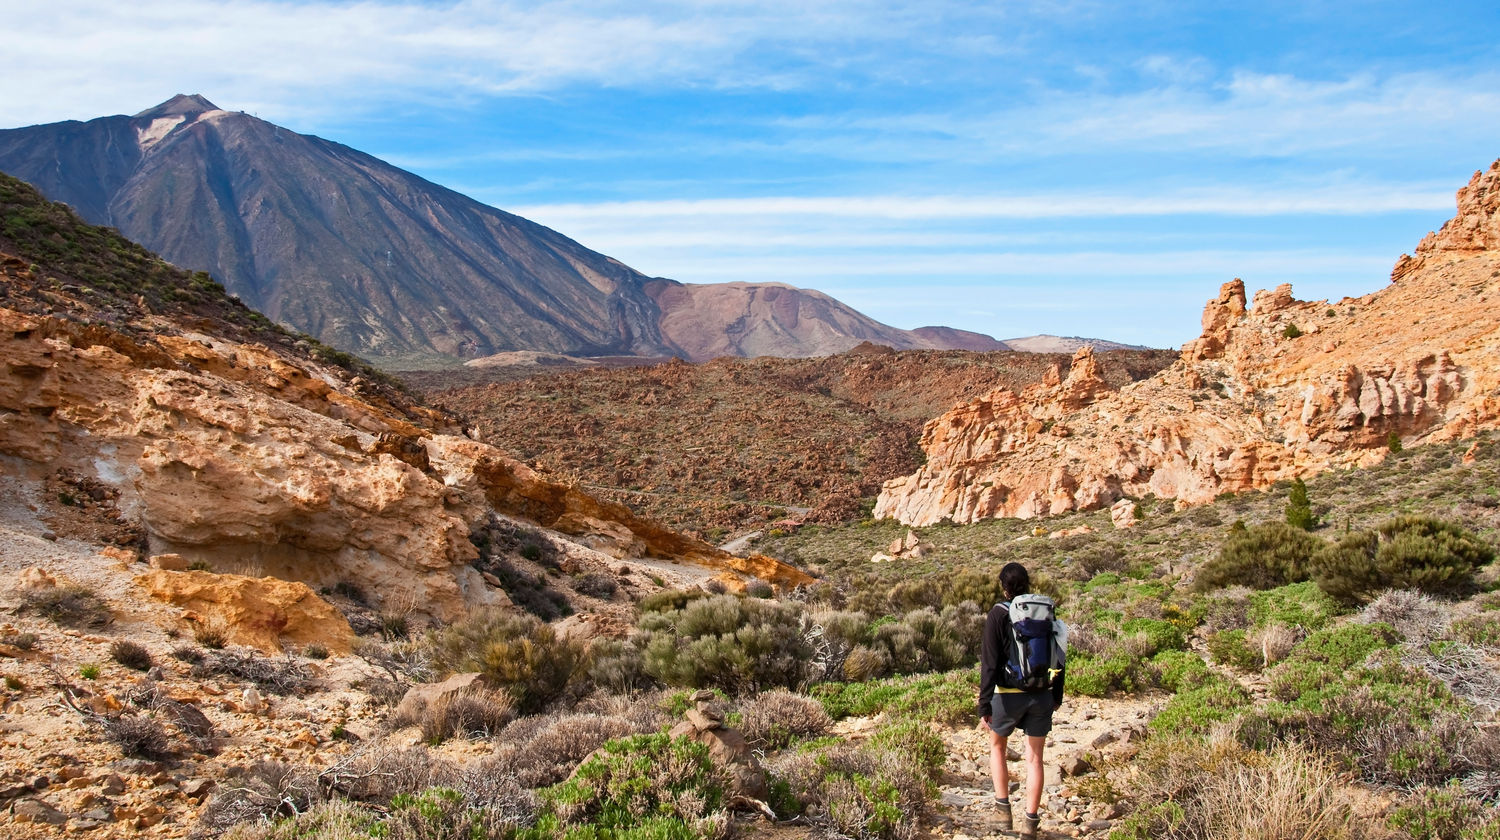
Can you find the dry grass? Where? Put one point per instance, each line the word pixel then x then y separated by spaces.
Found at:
pixel 138 736
pixel 479 713
pixel 545 749
pixel 1275 643
pixel 69 605
pixel 1216 789
pixel 260 793
pixel 774 719
pixel 1417 617
pixel 378 772
pixel 130 654
pixel 337 820
pixel 279 676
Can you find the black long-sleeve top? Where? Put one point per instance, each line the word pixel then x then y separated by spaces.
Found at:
pixel 994 652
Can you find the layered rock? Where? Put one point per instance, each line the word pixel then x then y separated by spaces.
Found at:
pixel 1277 389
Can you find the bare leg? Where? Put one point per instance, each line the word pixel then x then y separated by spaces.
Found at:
pixel 999 773
pixel 1035 772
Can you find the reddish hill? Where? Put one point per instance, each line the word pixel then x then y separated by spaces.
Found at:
pixel 735 442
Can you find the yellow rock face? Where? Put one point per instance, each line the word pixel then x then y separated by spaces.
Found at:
pixel 1279 389
pixel 266 613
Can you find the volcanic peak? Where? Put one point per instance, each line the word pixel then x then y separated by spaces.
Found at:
pixel 181 105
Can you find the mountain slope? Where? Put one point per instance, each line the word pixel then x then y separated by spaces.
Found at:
pixel 374 260
pixel 1281 389
pixel 217 436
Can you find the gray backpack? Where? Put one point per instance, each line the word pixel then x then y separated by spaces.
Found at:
pixel 1036 655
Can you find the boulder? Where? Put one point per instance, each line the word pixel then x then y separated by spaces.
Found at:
pixel 169 562
pixel 261 612
pixel 419 698
pixel 37 811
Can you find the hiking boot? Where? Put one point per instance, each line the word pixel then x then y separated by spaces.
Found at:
pixel 1002 814
pixel 1029 826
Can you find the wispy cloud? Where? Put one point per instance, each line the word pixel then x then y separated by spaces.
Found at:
pixel 1225 200
pixel 78 58
pixel 1244 113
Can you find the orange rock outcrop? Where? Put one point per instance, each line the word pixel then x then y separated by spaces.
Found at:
pixel 261 612
pixel 1277 389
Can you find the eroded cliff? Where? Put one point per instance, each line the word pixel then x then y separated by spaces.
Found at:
pixel 241 452
pixel 1273 390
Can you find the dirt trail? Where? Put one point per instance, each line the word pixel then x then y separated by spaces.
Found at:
pixel 964 809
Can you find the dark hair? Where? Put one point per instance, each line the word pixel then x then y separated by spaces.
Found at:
pixel 1015 580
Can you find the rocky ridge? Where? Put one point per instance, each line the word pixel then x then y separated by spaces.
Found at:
pixel 1272 390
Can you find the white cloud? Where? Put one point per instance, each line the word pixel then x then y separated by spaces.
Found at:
pixel 1245 114
pixel 81 58
pixel 1226 200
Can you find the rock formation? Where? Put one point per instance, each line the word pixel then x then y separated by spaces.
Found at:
pixel 248 459
pixel 1279 389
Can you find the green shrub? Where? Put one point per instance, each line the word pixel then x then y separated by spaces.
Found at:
pixel 925 640
pixel 982 588
pixel 1113 671
pixel 1228 647
pixel 938 698
pixel 1298 508
pixel 515 652
pixel 1302 605
pixel 1157 635
pixel 643 786
pixel 915 740
pixel 1325 657
pixel 1482 629
pixel 1261 557
pixel 89 671
pixel 1181 670
pixel 742 645
pixel 1197 710
pixel 1445 813
pixel 1409 552
pixel 617 666
pixel 869 792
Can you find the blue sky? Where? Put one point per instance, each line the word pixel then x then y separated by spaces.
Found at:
pixel 1081 168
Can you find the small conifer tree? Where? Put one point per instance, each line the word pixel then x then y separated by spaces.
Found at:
pixel 1298 509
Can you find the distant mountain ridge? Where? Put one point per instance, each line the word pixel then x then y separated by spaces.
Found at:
pixel 1065 344
pixel 377 261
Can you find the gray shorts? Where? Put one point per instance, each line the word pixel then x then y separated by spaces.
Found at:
pixel 1030 712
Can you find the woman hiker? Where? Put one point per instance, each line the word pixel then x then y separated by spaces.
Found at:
pixel 1020 686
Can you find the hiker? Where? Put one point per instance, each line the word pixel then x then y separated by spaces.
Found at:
pixel 1020 686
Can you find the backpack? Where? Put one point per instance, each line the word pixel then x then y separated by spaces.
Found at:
pixel 1036 654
